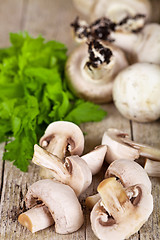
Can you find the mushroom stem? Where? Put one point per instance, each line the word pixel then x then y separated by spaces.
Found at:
pixel 58 147
pixel 45 159
pixel 99 61
pixel 32 218
pixel 92 200
pixel 144 150
pixel 113 197
pixel 152 168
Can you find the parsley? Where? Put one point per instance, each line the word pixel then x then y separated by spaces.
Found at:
pixel 33 93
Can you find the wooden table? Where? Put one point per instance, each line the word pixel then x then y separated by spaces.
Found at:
pixel 52 18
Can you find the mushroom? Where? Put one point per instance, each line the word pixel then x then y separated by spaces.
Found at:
pixel 119 146
pixel 147 46
pixel 91 77
pixel 63 138
pixel 117 10
pixel 95 158
pixel 140 42
pixel 128 173
pixel 152 168
pixel 142 45
pixel 116 147
pixel 137 98
pixel 121 212
pixel 50 202
pixel 73 172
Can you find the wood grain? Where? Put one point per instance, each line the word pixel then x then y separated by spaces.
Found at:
pixel 51 18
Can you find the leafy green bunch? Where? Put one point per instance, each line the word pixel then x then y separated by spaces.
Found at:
pixel 33 93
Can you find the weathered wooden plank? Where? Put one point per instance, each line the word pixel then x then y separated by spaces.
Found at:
pixel 51 19
pixel 1 166
pixel 10 17
pixel 149 133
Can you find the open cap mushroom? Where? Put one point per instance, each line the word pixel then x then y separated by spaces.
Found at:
pixel 74 171
pixel 52 202
pixel 63 138
pixel 116 148
pixel 90 71
pixel 121 212
pixel 137 98
pixel 95 158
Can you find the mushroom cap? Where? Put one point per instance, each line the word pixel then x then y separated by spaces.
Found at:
pixel 137 98
pixel 116 148
pixel 95 158
pixel 125 217
pixel 73 172
pixel 61 137
pixel 148 45
pixel 61 202
pixel 117 10
pixel 129 173
pixel 81 83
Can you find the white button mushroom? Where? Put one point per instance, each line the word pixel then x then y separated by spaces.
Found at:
pixel 120 212
pixel 136 92
pixel 63 138
pixel 90 74
pixel 117 10
pixel 74 171
pixel 61 204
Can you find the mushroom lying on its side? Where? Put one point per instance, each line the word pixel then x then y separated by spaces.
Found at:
pixel 74 171
pixel 90 72
pixel 137 98
pixel 142 45
pixel 140 42
pixel 63 138
pixel 121 212
pixel 116 147
pixel 128 173
pixel 55 202
pixel 119 146
pixel 115 9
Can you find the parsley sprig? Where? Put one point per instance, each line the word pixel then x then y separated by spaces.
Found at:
pixel 33 93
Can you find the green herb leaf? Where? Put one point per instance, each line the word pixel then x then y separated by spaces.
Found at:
pixel 34 93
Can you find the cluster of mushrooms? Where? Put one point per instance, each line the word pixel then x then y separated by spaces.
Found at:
pixel 118 56
pixel 123 202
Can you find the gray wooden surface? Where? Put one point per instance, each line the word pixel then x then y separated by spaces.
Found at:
pixel 51 18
